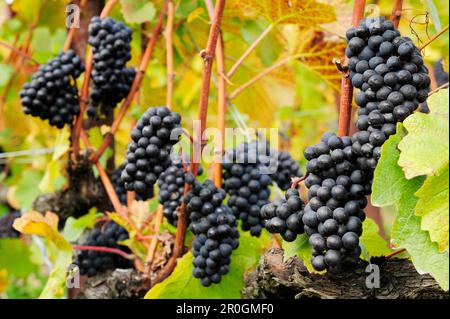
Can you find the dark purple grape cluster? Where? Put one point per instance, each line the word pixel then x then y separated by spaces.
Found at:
pixel 287 168
pixel 390 73
pixel 334 213
pixel 148 154
pixel 171 189
pixel 215 230
pixel 92 262
pixel 52 94
pixel 119 187
pixel 284 216
pixel 111 79
pixel 247 185
pixel 6 225
pixel 393 80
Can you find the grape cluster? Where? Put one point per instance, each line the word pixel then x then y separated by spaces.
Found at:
pixel 393 80
pixel 287 168
pixel 51 94
pixel 284 216
pixel 121 192
pixel 111 79
pixel 6 223
pixel 171 189
pixel 334 214
pixel 148 154
pixel 247 186
pixel 214 227
pixel 91 262
pixel 390 73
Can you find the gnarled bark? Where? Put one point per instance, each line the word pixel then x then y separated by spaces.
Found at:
pixel 83 192
pixel 275 278
pixel 117 284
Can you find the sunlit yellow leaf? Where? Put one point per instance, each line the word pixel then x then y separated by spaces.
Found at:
pixel 195 14
pixel 306 13
pixel 34 223
pixel 316 52
pixel 3 280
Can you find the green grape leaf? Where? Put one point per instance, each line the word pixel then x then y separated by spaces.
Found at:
pixel 390 187
pixel 5 73
pixel 181 284
pixel 137 11
pixel 301 248
pixel 426 147
pixel 372 243
pixel 432 206
pixel 74 227
pixel 56 283
pixel 15 257
pixel 389 184
pixel 25 191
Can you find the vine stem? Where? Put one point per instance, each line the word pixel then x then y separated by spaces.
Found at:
pixel 72 31
pixel 105 250
pixel 258 77
pixel 399 251
pixel 437 35
pixel 345 103
pixel 208 58
pixel 396 12
pixel 84 98
pixel 154 241
pixel 297 181
pixel 112 195
pixel 135 86
pixel 169 53
pixel 250 50
pixel 443 86
pixel 221 101
pixel 19 52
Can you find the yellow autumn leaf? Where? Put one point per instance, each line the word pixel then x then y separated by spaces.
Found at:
pixel 307 13
pixel 34 223
pixel 3 280
pixel 316 51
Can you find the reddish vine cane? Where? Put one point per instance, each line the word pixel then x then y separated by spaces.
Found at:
pixel 84 98
pixel 208 57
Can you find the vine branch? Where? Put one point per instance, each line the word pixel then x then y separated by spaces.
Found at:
pixel 208 56
pixel 250 50
pixel 169 53
pixel 345 103
pixel 105 250
pixel 396 12
pixel 221 101
pixel 84 98
pixel 437 35
pixel 258 77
